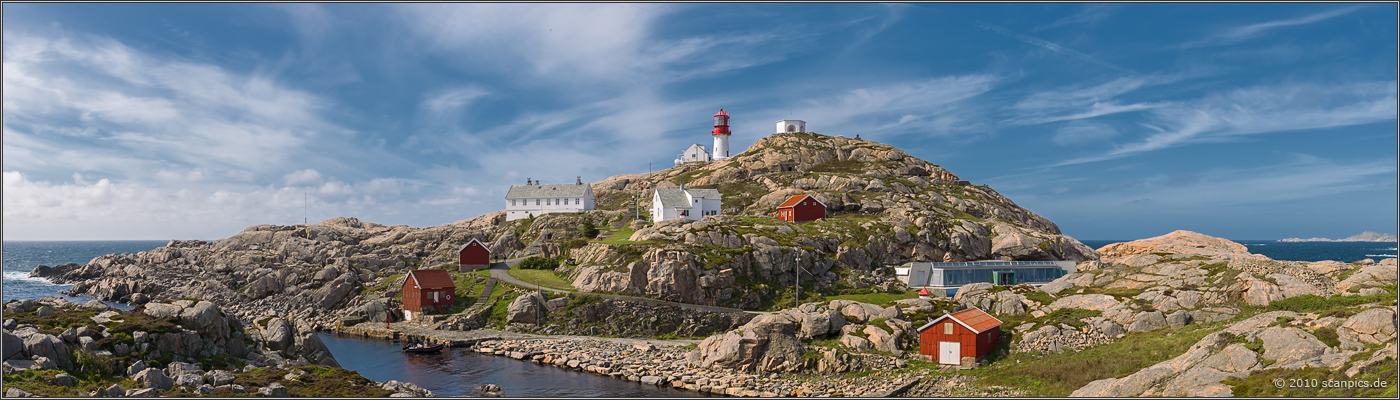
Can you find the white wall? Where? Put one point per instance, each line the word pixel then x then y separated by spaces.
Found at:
pixel 575 205
pixel 801 125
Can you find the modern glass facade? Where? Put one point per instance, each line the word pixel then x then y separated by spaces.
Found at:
pixel 962 273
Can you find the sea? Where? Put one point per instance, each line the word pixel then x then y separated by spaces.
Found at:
pixel 1302 251
pixel 455 372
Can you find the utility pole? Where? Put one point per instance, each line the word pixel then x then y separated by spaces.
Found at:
pixel 797 291
pixel 305 215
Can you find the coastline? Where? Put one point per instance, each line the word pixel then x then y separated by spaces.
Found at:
pixel 649 361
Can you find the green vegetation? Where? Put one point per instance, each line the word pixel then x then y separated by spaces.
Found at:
pixel 542 277
pixel 538 263
pixel 1310 303
pixel 1310 382
pixel 318 381
pixel 690 176
pixel 1057 375
pixel 388 280
pixel 619 237
pixel 884 299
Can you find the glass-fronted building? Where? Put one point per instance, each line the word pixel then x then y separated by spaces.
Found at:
pixel 955 274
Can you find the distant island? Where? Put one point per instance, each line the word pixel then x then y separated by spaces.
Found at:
pixel 1367 236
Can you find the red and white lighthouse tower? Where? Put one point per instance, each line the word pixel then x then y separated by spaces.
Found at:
pixel 721 134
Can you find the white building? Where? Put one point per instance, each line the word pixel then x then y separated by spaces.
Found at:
pixel 792 125
pixel 533 199
pixel 671 203
pixel 694 153
pixel 721 135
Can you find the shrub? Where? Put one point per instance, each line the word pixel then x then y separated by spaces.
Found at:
pixel 539 263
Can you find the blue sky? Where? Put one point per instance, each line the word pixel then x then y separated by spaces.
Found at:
pixel 193 121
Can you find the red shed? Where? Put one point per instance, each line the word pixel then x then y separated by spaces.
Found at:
pixel 473 256
pixel 801 207
pixel 966 333
pixel 426 291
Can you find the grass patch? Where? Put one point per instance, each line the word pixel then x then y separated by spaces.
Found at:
pixel 1311 303
pixel 880 299
pixel 1057 375
pixel 542 277
pixel 619 237
pixel 1310 382
pixel 535 263
pixel 840 167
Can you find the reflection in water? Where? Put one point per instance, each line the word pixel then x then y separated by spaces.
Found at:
pixel 454 372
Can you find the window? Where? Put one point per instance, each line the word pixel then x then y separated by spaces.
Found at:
pixel 512 203
pixel 578 201
pixel 947 328
pixel 537 202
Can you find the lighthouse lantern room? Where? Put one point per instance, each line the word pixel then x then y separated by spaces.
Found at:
pixel 721 133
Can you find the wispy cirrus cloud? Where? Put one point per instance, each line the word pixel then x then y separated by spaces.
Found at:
pixel 1088 14
pixel 1258 110
pixel 1242 33
pixel 1048 45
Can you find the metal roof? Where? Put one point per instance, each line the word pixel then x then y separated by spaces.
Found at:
pixel 972 318
pixel 792 201
pixel 676 197
pixel 552 191
pixel 431 279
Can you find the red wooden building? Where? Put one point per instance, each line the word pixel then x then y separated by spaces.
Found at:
pixel 473 256
pixel 801 207
pixel 427 291
pixel 966 333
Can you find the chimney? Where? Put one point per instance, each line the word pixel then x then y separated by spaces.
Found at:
pixel 579 181
pixel 527 182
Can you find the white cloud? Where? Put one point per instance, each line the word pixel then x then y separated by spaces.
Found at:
pixel 1079 132
pixel 1088 14
pixel 450 100
pixel 1261 109
pixel 1246 32
pixel 1048 45
pixel 305 176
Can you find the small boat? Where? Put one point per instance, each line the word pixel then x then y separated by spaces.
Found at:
pixel 423 348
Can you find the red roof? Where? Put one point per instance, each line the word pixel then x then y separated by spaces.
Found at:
pixel 923 292
pixel 721 112
pixel 431 279
pixel 792 201
pixel 973 318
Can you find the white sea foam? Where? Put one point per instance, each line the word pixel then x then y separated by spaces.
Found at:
pixel 23 276
pixel 1380 255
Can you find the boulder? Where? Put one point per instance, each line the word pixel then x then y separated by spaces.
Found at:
pixel 48 346
pixel 191 380
pixel 178 368
pixel 856 343
pixel 1288 345
pixel 1178 319
pixel 837 321
pixel 815 324
pixel 154 378
pixel 43 311
pixel 861 312
pixel 273 389
pixel 163 310
pixel 219 377
pixel 1148 321
pixel 13 392
pixel 114 391
pixel 1376 325
pixel 63 379
pixel 136 368
pixel 767 343
pixel 12 345
pixel 147 392
pixel 277 335
pixel 882 340
pixel 528 308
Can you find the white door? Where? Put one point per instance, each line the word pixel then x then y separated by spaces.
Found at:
pixel 950 353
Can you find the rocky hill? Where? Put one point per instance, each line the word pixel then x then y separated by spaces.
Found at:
pixel 57 348
pixel 888 208
pixel 1367 236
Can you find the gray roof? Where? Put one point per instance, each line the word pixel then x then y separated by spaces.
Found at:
pixel 674 198
pixel 547 191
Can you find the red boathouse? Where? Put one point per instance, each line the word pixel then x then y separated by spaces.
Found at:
pixel 427 291
pixel 473 256
pixel 952 337
pixel 801 207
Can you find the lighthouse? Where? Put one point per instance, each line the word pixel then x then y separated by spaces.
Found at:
pixel 721 134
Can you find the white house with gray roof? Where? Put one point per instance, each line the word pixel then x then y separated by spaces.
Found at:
pixel 671 203
pixel 533 199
